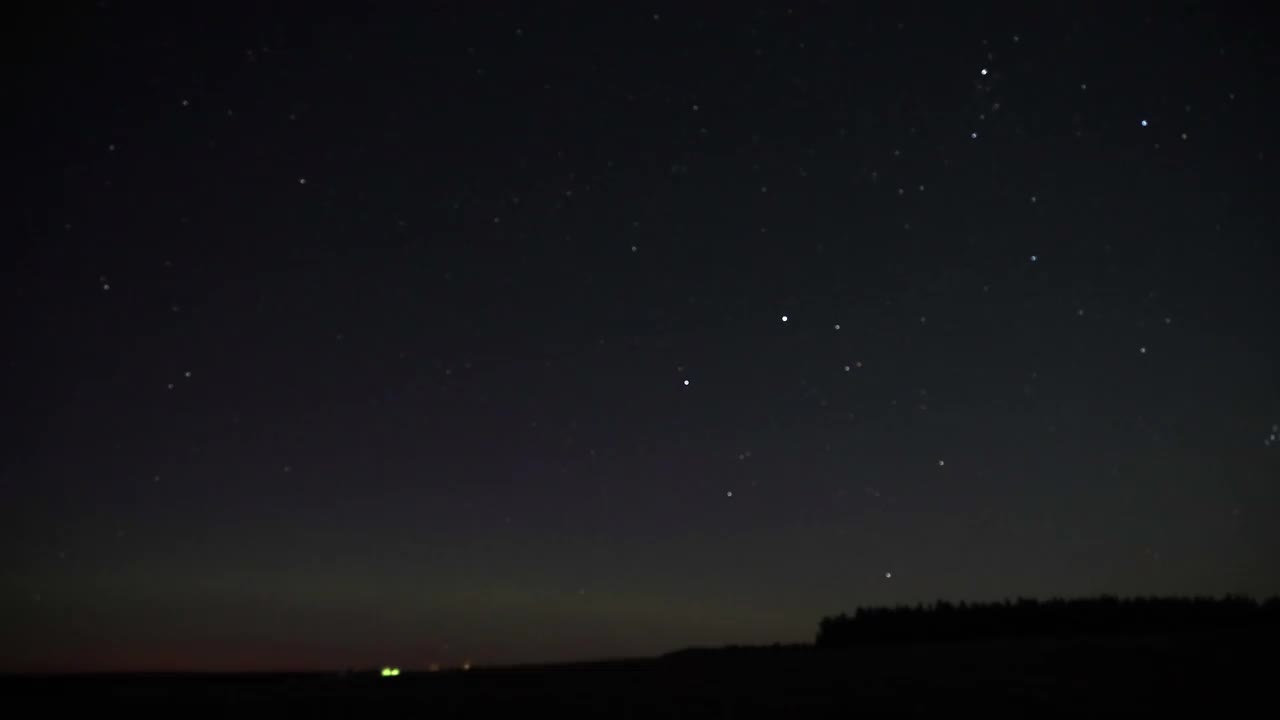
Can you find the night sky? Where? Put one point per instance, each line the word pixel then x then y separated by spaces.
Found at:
pixel 444 332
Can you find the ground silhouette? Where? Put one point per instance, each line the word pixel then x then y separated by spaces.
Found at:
pixel 1054 658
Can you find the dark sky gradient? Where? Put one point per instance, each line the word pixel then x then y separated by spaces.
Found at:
pixel 348 339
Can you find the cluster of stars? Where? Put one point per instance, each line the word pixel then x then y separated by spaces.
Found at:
pixel 186 374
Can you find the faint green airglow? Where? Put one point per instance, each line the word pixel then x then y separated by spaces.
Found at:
pixel 390 672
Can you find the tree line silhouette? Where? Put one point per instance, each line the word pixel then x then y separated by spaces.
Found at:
pixel 1105 615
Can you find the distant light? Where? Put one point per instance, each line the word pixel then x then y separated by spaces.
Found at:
pixel 1143 123
pixel 973 136
pixel 888 576
pixel 1034 258
pixel 390 672
pixel 784 318
pixel 1142 350
pixel 729 494
pixel 941 463
pixel 466 665
pixel 302 181
pixel 686 382
pixel 983 71
pixel 837 326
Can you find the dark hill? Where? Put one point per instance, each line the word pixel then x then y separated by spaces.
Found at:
pixel 1098 657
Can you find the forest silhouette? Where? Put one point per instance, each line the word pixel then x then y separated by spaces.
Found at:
pixel 1104 616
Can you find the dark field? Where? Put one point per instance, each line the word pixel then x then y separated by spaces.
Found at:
pixel 1218 673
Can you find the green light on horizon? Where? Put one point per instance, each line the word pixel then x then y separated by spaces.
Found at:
pixel 390 672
